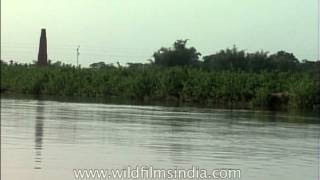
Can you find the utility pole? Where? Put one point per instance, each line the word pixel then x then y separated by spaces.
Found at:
pixel 78 53
pixel 317 64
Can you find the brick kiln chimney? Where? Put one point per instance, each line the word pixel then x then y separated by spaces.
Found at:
pixel 42 55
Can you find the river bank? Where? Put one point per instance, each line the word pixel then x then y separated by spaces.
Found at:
pixel 174 85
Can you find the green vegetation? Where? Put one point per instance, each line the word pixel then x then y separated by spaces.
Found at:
pixel 229 77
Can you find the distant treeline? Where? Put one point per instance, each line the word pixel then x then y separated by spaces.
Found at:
pixel 229 59
pixel 229 77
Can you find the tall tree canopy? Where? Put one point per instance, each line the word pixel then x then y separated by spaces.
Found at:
pixel 284 61
pixel 179 55
pixel 226 60
pixel 233 59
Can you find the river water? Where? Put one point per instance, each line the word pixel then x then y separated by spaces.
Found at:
pixel 49 139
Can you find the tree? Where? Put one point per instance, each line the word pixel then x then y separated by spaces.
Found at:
pixel 100 64
pixel 228 59
pixel 284 61
pixel 258 61
pixel 179 55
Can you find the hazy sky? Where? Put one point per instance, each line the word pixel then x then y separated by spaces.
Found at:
pixel 131 30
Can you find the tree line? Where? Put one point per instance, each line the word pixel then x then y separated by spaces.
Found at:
pixel 228 59
pixel 229 77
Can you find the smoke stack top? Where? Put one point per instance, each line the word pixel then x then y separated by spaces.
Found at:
pixel 43 32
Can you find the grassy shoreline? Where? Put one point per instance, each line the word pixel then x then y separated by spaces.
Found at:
pixel 230 89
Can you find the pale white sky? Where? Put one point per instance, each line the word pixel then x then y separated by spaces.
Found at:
pixel 131 30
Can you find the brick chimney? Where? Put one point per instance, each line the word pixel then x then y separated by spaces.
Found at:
pixel 42 55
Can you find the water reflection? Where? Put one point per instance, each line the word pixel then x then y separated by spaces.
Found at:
pixel 38 134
